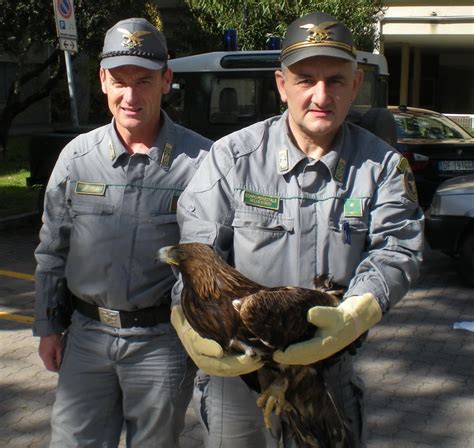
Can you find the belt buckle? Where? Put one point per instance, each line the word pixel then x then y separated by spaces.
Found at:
pixel 110 317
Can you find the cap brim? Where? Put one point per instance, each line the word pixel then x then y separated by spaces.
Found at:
pixel 309 52
pixel 119 61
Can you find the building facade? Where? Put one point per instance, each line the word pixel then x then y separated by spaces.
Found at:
pixel 429 46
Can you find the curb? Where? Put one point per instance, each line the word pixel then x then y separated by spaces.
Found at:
pixel 20 220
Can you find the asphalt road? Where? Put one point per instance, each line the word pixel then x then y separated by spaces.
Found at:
pixel 419 369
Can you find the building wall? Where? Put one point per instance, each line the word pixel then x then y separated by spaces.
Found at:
pixel 429 47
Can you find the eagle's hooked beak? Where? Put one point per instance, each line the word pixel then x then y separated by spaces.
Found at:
pixel 165 256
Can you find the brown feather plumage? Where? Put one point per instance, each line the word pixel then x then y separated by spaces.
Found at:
pixel 243 316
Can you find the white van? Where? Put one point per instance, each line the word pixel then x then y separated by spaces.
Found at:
pixel 219 92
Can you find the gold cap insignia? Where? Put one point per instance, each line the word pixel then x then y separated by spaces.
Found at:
pixel 318 33
pixel 132 40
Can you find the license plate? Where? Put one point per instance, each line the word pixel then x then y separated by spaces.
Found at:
pixel 456 165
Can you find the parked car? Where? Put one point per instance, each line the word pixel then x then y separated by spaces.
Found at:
pixel 436 147
pixel 450 222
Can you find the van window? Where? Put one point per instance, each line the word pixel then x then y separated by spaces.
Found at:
pixel 366 96
pixel 173 102
pixel 233 100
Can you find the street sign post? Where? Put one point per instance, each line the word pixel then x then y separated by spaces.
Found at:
pixel 67 34
pixel 65 21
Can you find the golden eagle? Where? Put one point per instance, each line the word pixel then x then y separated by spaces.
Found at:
pixel 244 316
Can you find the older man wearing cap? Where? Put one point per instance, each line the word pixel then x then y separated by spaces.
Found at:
pixel 302 194
pixel 110 203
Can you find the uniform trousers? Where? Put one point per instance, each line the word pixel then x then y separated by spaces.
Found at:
pixel 107 381
pixel 233 420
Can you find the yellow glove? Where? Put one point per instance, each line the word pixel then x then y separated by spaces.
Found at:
pixel 337 328
pixel 207 354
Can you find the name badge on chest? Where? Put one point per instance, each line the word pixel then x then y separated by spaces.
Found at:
pixel 90 188
pixel 261 200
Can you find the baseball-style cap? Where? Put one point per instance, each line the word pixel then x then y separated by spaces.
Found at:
pixel 317 34
pixel 134 42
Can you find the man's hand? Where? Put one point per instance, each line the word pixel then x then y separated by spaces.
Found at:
pixel 337 328
pixel 49 350
pixel 208 354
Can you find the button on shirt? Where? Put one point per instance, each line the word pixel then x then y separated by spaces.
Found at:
pixel 287 217
pixel 106 214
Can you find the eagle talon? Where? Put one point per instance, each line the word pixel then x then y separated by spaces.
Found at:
pixel 272 399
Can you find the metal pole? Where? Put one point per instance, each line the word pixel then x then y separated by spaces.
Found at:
pixel 70 83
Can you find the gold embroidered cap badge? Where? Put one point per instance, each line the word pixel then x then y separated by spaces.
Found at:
pixel 318 33
pixel 132 40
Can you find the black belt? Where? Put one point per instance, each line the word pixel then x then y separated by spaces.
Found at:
pixel 146 317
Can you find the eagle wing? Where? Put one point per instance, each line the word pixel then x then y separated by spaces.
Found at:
pixel 141 33
pixel 326 25
pixel 124 31
pixel 277 316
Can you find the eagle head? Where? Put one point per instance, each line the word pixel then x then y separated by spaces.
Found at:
pixel 171 255
pixel 180 254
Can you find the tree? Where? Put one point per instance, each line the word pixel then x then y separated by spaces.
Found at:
pixel 256 20
pixel 27 27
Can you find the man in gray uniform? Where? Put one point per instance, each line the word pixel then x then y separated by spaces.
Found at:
pixel 293 196
pixel 110 203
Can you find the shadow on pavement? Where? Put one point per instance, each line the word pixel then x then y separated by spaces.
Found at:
pixel 418 369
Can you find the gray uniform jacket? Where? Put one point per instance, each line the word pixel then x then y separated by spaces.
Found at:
pixel 281 217
pixel 106 215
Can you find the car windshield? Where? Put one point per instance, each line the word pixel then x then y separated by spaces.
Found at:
pixel 420 125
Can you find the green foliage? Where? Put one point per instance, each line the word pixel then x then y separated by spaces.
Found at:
pixel 28 28
pixel 32 21
pixel 256 20
pixel 15 196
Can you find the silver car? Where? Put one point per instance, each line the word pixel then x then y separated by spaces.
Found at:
pixel 450 222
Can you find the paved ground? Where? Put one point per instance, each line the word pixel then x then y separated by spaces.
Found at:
pixel 420 371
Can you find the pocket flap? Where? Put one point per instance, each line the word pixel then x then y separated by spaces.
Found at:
pixel 269 221
pixel 82 208
pixel 163 218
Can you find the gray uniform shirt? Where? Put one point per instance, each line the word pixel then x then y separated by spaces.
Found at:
pixel 281 217
pixel 106 215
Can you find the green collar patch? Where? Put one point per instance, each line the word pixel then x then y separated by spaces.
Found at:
pixel 283 160
pixel 262 200
pixel 165 161
pixel 112 153
pixel 340 169
pixel 92 188
pixel 353 208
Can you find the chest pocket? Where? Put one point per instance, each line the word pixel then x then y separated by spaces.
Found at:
pixel 260 238
pixel 262 222
pixel 92 208
pixel 253 230
pixel 349 232
pixel 163 230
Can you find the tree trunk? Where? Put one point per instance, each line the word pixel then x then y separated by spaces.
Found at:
pixel 6 120
pixel 17 103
